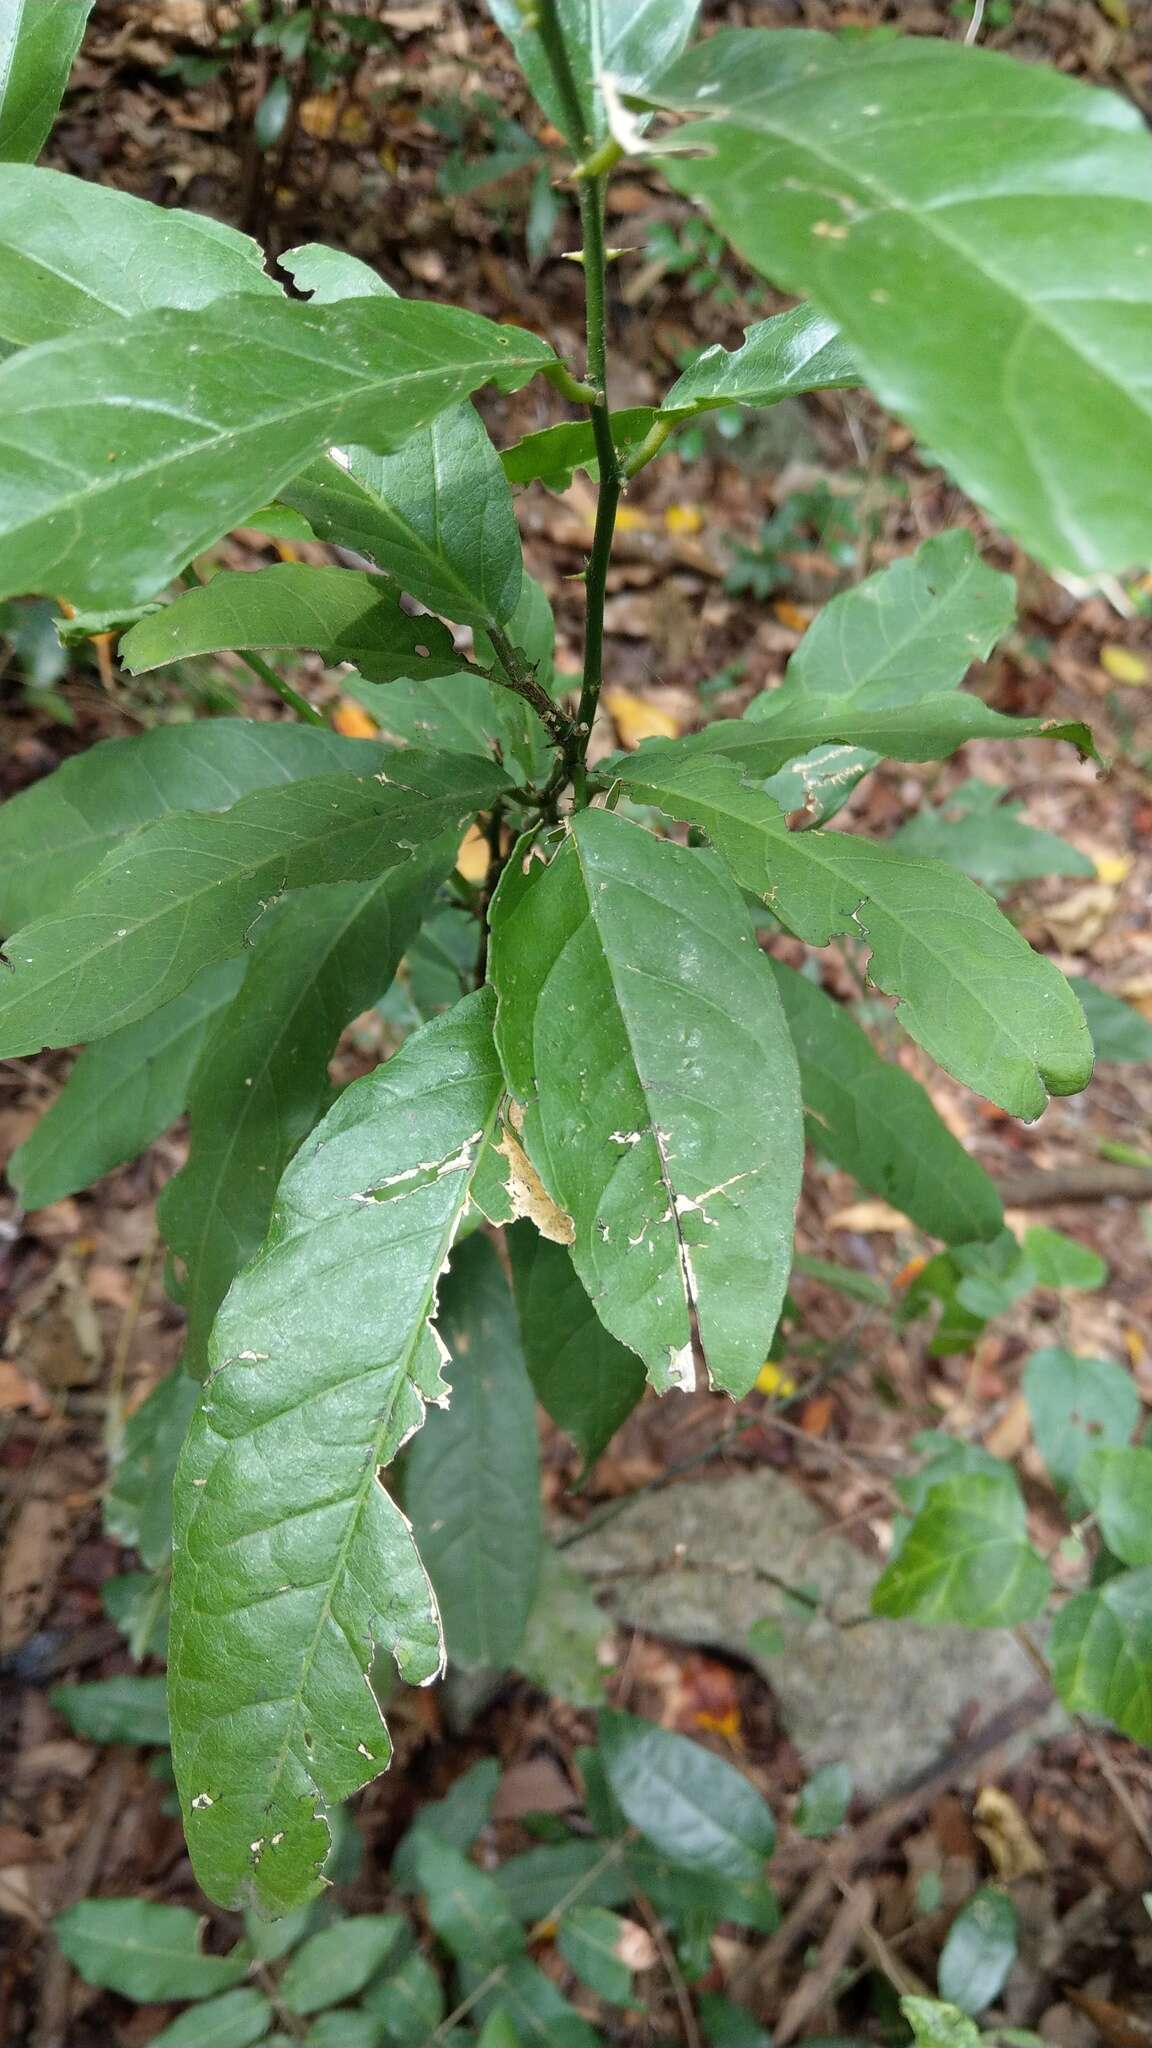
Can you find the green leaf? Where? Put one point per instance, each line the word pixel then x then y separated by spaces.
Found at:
pixel 977 832
pixel 75 255
pixel 935 2025
pixel 270 1940
pixel 566 1626
pixel 947 1459
pixel 55 833
pixel 408 2001
pixel 797 351
pixel 589 1940
pixel 138 1603
pixel 328 274
pixel 541 2016
pixel 998 1016
pixel 1053 1260
pixel 979 1952
pixel 38 44
pixel 338 1962
pixel 966 1558
pixel 145 1951
pixel 680 1202
pixel 870 1117
pixel 187 891
pixel 778 726
pixel 320 959
pixel 587 1381
pixel 126 450
pixel 1075 1403
pixel 236 2020
pixel 1118 1031
pixel 823 1803
pixel 1116 1480
pixel 122 1093
pixel 535 1882
pixel 472 1477
pixel 122 1709
pixel 457 713
pixel 552 456
pixel 466 1906
pixel 323 1357
pixel 687 1802
pixel 617 38
pixel 138 1506
pixel 458 1818
pixel 344 614
pixel 985 284
pixel 908 632
pixel 729 2026
pixel 1100 1650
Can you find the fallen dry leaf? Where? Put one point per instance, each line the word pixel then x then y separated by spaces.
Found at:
pixel 637 719
pixel 473 857
pixel 529 1196
pixel 1007 1837
pixel 36 1547
pixel 353 721
pixel 868 1217
pixel 18 1391
pixel 1124 666
pixel 635 1946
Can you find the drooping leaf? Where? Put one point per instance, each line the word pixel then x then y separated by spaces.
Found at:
pixel 985 283
pixel 261 1082
pixel 55 833
pixel 409 2001
pixel 980 1950
pixel 681 1200
pixel 236 2020
pixel 338 1962
pixel 38 44
pixel 977 832
pixel 128 1708
pixel 618 38
pixel 122 1093
pixel 323 1357
pixel 143 1950
pixel 76 255
pixel 1119 1032
pixel 778 726
pixel 472 1477
pixel 995 1014
pixel 1100 1651
pixel 966 1558
pixel 563 1637
pixel 687 1802
pixel 590 1940
pixel 587 1381
pixel 466 1906
pixel 186 891
pixel 876 1121
pixel 906 633
pixel 797 351
pixel 1116 1480
pixel 344 614
pixel 1076 1403
pixel 127 449
pixel 138 1505
pixel 552 455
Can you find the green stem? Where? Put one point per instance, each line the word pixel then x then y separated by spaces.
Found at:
pixel 518 676
pixel 267 674
pixel 650 446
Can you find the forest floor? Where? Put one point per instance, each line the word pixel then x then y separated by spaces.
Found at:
pixel 385 168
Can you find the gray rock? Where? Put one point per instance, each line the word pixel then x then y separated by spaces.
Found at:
pixel 703 1563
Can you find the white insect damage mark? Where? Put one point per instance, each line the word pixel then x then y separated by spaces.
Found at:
pixel 424 1174
pixel 202 1800
pixel 625 1137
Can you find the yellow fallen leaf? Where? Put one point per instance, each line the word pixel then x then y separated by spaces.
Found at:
pixel 353 721
pixel 472 859
pixel 320 115
pixel 1006 1835
pixel 791 615
pixel 285 550
pixel 770 1380
pixel 629 520
pixel 1113 868
pixel 868 1217
pixel 636 719
pixel 1123 665
pixel 683 518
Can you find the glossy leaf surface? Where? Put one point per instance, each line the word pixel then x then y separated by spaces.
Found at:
pixel 75 255
pixel 472 1476
pixel 56 832
pixel 641 1031
pixel 628 39
pixel 187 890
pixel 143 1950
pixel 1100 1650
pixel 582 1375
pixel 876 1121
pixel 966 1558
pixel 261 1082
pixel 38 44
pixel 995 1014
pixel 970 222
pixel 323 1358
pixel 122 1093
pixel 126 450
pixel 797 351
pixel 344 614
pixel 686 1801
